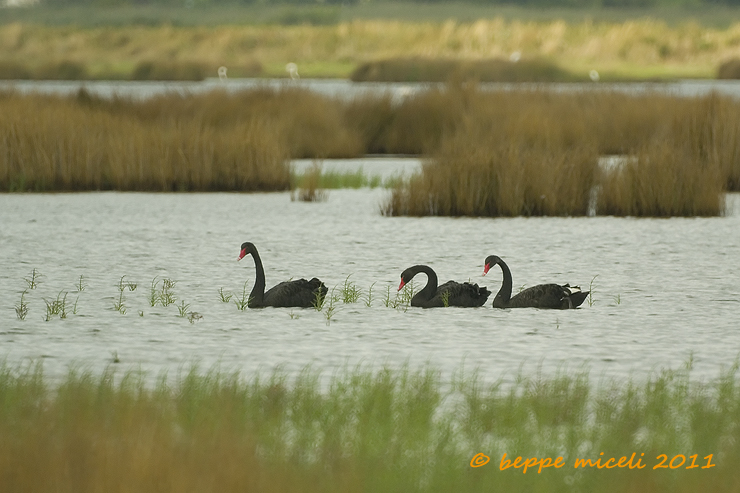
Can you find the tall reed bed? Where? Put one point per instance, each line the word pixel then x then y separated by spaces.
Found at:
pixel 490 153
pixel 360 429
pixel 536 152
pixel 168 143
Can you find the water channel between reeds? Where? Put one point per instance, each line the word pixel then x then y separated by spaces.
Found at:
pixel 664 290
pixel 346 89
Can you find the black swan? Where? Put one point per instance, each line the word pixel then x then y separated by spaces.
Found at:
pixel 450 293
pixel 540 296
pixel 299 293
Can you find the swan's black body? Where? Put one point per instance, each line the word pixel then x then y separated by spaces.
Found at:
pixel 450 293
pixel 300 293
pixel 540 296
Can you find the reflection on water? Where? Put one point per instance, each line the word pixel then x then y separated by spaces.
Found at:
pixel 663 289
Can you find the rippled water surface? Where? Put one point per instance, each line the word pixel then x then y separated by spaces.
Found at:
pixel 347 89
pixel 664 289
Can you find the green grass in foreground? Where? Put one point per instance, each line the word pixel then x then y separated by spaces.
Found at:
pixel 363 430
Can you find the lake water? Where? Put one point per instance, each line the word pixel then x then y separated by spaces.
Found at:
pixel 663 289
pixel 348 89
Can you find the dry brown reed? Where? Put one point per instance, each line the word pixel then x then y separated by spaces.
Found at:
pixel 372 117
pixel 537 153
pixel 169 71
pixel 442 70
pixel 214 141
pixel 729 69
pixel 51 143
pixel 511 152
pixel 311 125
pixel 681 169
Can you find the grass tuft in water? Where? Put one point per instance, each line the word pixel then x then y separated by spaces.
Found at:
pixel 57 307
pixel 34 280
pixel 167 295
pixel 331 308
pixel 182 308
pixel 153 293
pixel 368 299
pixel 119 304
pixel 122 284
pixel 349 292
pixel 400 300
pixel 81 285
pixel 21 309
pixel 225 297
pixel 243 301
pixel 319 301
pixel 591 299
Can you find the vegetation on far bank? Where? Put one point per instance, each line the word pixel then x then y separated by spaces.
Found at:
pixel 90 13
pixel 365 430
pixel 490 153
pixel 443 70
pixel 635 49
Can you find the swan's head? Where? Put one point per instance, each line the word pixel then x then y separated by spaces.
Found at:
pixel 491 260
pixel 406 276
pixel 246 249
pixel 403 283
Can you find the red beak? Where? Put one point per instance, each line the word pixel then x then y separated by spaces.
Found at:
pixel 486 268
pixel 400 286
pixel 242 254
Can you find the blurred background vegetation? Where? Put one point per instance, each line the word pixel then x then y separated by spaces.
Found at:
pixel 325 12
pixel 561 40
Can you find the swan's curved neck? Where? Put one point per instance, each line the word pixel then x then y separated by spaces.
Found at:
pixel 428 292
pixel 258 291
pixel 504 294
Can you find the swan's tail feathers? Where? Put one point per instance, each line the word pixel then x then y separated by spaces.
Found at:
pixel 479 294
pixel 577 298
pixel 318 286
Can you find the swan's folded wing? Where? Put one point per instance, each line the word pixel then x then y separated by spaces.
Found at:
pixel 463 294
pixel 298 293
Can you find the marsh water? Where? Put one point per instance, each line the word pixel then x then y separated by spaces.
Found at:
pixel 664 290
pixel 347 89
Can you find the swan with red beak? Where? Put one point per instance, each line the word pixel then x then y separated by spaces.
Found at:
pixel 555 296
